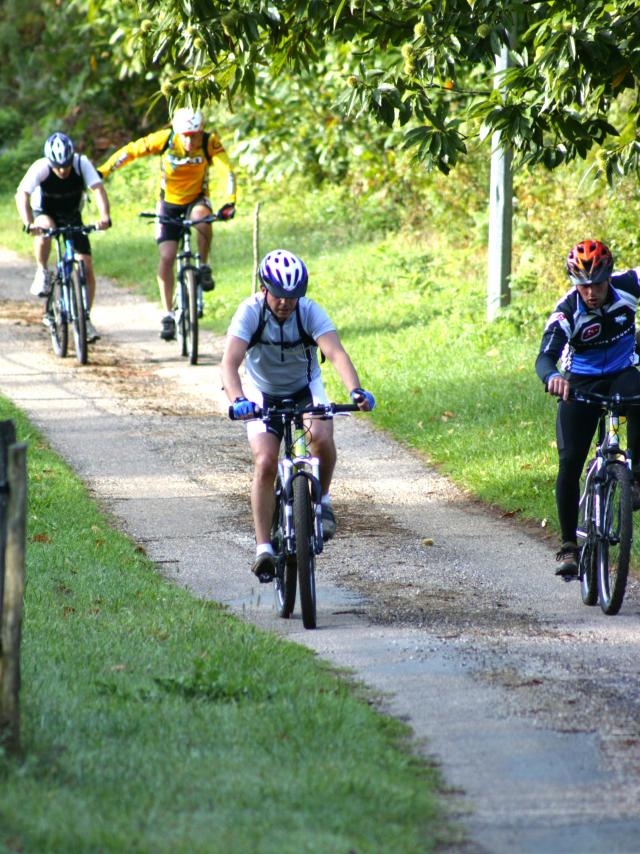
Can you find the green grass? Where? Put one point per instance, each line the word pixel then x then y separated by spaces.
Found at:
pixel 155 721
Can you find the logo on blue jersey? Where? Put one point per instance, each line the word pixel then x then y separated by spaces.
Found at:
pixel 590 332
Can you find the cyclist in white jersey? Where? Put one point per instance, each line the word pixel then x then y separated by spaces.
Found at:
pixel 277 334
pixel 51 194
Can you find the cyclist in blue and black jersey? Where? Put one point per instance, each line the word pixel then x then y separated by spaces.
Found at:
pixel 277 333
pixel 592 334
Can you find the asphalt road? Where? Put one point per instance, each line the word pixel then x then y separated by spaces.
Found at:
pixel 528 700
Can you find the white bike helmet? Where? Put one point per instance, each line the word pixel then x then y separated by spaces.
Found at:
pixel 58 150
pixel 186 120
pixel 283 274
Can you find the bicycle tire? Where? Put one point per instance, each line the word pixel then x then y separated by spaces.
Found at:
pixel 588 563
pixel 192 290
pixel 284 583
pixel 77 292
pixel 305 557
pixel 588 571
pixel 182 316
pixel 614 546
pixel 59 328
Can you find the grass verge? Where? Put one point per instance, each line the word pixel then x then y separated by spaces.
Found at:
pixel 154 721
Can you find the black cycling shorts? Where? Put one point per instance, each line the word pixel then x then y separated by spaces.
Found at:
pixel 80 241
pixel 302 398
pixel 172 232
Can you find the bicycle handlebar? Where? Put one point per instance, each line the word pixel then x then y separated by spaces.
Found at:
pixel 175 220
pixel 292 410
pixel 67 230
pixel 606 401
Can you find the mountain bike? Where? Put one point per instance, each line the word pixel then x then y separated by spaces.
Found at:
pixel 605 518
pixel 188 299
pixel 68 301
pixel 296 530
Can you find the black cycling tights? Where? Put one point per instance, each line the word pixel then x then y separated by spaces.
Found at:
pixel 575 427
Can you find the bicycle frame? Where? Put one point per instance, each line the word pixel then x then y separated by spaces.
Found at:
pixel 296 530
pixel 66 261
pixel 296 462
pixel 188 299
pixel 68 302
pixel 187 259
pixel 608 451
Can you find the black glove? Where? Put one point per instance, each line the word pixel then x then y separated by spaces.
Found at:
pixel 227 211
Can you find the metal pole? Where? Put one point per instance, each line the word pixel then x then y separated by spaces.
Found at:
pixel 500 216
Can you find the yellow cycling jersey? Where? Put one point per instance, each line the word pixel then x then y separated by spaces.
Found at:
pixel 183 177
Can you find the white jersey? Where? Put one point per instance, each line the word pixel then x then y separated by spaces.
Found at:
pixel 48 191
pixel 285 358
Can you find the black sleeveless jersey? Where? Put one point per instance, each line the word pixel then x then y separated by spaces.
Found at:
pixel 61 196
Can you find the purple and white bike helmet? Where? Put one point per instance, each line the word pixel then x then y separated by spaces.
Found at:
pixel 283 274
pixel 58 150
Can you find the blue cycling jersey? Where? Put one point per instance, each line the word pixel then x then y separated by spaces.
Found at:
pixel 592 343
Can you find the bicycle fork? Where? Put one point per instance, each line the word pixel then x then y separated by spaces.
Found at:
pixel 308 468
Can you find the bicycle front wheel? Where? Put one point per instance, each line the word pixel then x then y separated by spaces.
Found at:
pixel 588 565
pixel 305 555
pixel 57 319
pixel 588 570
pixel 78 312
pixel 284 583
pixel 182 315
pixel 192 288
pixel 614 546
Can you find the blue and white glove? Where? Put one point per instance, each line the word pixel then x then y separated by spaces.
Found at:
pixel 359 394
pixel 243 408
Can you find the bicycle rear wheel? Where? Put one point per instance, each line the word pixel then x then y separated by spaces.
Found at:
pixel 57 319
pixel 588 564
pixel 284 584
pixel 305 556
pixel 614 547
pixel 192 289
pixel 182 315
pixel 78 291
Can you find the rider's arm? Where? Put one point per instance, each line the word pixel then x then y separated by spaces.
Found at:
pixel 154 143
pixel 102 201
pixel 556 335
pixel 332 348
pixel 23 203
pixel 222 168
pixel 31 181
pixel 234 352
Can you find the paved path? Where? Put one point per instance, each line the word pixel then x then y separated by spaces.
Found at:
pixel 528 700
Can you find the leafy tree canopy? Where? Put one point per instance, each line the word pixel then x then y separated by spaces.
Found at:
pixel 427 66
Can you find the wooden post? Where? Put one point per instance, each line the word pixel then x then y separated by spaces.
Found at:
pixel 256 245
pixel 7 438
pixel 13 599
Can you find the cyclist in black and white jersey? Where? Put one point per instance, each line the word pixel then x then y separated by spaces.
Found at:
pixel 279 332
pixel 50 195
pixel 592 335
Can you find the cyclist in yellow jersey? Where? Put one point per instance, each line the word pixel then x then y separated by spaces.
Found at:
pixel 186 152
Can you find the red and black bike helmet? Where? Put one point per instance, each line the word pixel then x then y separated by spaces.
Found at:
pixel 589 262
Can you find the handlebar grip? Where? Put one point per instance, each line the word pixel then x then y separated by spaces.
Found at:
pixel 345 407
pixel 258 413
